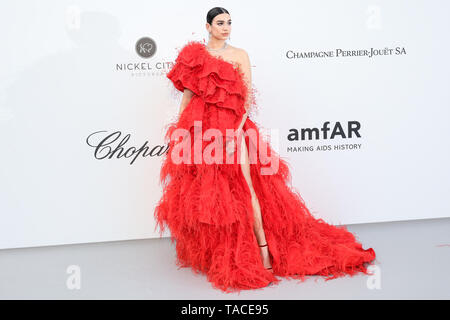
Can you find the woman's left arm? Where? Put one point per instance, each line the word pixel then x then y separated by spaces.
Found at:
pixel 247 77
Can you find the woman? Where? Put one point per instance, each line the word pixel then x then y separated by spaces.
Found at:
pixel 227 197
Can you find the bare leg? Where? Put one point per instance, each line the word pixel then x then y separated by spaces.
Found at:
pixel 258 224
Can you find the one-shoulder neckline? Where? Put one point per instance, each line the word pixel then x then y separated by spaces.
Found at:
pixel 233 64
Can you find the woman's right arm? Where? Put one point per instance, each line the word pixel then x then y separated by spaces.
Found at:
pixel 187 95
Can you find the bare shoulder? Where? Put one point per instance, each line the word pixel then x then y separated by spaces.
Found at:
pixel 239 52
pixel 239 55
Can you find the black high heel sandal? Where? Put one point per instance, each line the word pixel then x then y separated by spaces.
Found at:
pixel 271 282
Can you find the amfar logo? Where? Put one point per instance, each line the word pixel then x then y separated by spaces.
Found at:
pixel 145 47
pixel 351 130
pixel 327 131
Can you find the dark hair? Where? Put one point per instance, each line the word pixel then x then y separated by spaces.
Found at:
pixel 214 12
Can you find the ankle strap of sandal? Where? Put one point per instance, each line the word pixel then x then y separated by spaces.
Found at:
pixel 263 245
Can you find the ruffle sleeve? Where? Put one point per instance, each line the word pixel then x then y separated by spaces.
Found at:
pixel 183 73
pixel 220 91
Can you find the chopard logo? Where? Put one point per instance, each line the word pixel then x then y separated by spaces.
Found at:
pixel 113 146
pixel 208 147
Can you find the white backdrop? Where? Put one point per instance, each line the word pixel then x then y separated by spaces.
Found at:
pixel 61 92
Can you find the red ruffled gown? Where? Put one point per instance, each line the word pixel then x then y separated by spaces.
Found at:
pixel 207 206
